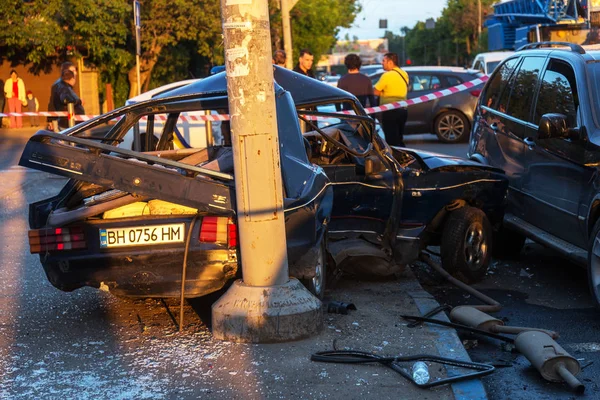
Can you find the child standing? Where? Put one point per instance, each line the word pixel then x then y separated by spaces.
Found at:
pixel 33 106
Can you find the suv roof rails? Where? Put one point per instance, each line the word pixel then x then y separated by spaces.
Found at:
pixel 538 45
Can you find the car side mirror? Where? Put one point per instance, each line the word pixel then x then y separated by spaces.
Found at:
pixel 554 126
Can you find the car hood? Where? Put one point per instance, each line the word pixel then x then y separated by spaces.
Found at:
pixel 440 161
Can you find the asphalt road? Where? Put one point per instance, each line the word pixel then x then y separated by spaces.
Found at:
pixel 11 145
pixel 540 289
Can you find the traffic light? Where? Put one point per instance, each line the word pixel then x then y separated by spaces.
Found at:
pixel 383 24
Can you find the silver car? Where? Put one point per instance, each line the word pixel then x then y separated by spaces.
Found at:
pixel 448 117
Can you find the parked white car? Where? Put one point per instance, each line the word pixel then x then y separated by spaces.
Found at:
pixel 487 62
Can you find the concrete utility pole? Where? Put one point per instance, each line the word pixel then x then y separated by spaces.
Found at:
pixel 286 6
pixel 267 306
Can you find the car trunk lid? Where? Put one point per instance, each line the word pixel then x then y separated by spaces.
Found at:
pixel 136 173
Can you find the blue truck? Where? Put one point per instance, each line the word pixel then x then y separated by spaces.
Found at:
pixel 515 23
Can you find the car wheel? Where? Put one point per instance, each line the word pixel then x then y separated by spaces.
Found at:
pixel 594 263
pixel 452 127
pixel 466 244
pixel 316 285
pixel 508 244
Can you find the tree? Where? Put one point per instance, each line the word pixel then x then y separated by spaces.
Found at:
pixel 462 16
pixel 44 32
pixel 165 23
pixel 184 36
pixel 316 24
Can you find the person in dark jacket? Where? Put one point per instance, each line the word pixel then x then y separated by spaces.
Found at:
pixel 357 83
pixel 305 62
pixel 65 95
pixel 53 103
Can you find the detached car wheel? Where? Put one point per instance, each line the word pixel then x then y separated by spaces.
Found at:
pixel 466 244
pixel 452 127
pixel 594 264
pixel 316 285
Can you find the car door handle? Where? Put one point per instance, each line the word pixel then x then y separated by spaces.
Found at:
pixel 494 126
pixel 529 142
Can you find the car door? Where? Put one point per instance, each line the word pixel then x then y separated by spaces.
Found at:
pixel 421 114
pixel 501 139
pixel 556 176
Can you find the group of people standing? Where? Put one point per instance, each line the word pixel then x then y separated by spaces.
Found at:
pixel 61 94
pixel 18 100
pixel 391 87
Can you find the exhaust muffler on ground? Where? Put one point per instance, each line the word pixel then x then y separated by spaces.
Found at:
pixel 474 318
pixel 548 357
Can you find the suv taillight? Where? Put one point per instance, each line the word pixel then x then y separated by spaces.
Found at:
pixel 475 93
pixel 220 230
pixel 56 239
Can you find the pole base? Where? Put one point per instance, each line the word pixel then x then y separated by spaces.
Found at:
pixel 266 314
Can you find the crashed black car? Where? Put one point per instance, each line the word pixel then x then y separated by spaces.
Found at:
pixel 126 219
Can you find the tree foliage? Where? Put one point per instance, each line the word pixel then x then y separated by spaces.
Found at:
pixel 44 32
pixel 179 38
pixel 453 41
pixel 316 24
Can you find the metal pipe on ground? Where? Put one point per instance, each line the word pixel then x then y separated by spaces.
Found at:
pixel 471 316
pixel 492 305
pixel 550 359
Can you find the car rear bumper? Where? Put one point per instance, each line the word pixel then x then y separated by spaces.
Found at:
pixel 145 275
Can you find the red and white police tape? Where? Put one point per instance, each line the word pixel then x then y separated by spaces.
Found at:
pixel 224 117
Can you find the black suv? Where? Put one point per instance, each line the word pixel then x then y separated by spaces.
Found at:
pixel 537 118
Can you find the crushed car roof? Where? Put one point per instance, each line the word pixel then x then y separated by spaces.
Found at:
pixel 304 90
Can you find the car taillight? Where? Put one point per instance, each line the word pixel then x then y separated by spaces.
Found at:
pixel 475 93
pixel 219 230
pixel 56 239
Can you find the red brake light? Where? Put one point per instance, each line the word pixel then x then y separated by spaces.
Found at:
pixel 218 230
pixel 232 234
pixel 475 93
pixel 56 239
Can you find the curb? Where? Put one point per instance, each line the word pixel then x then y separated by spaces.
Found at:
pixel 449 344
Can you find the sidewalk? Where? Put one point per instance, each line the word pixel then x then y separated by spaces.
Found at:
pixel 375 326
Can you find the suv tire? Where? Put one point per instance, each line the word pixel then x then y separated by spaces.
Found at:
pixel 466 244
pixel 593 267
pixel 452 127
pixel 508 244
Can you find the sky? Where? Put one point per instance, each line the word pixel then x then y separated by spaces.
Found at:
pixel 399 13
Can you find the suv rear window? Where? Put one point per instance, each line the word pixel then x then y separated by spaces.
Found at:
pixel 521 97
pixel 498 84
pixel 594 79
pixel 558 93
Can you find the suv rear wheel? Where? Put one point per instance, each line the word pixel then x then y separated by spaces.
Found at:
pixel 594 263
pixel 466 244
pixel 452 127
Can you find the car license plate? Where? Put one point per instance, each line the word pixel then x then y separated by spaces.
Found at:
pixel 142 235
